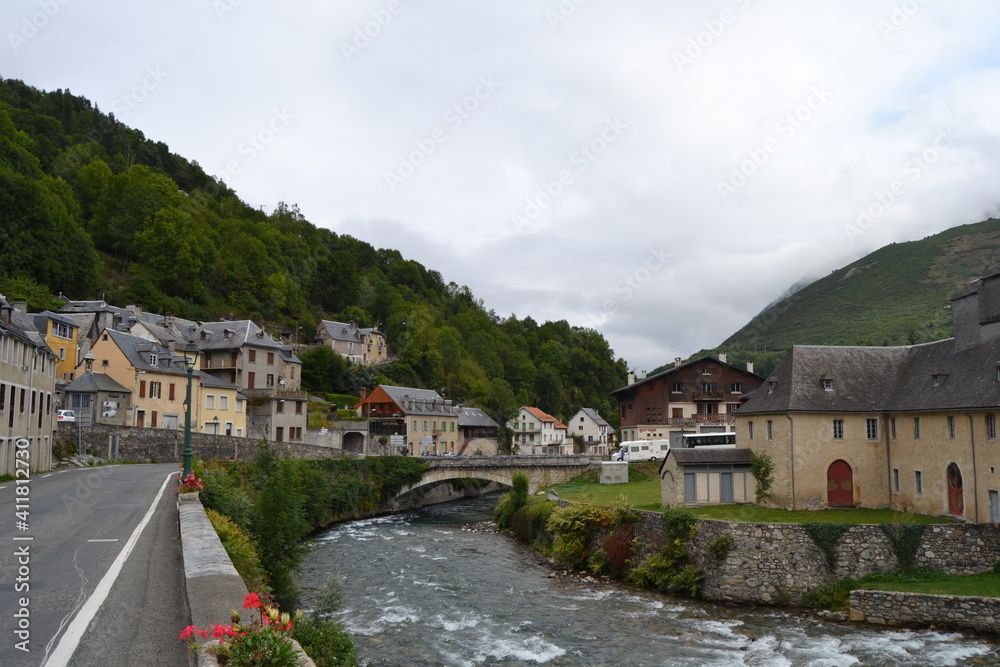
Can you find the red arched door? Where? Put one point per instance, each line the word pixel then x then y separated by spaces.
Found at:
pixel 956 498
pixel 839 484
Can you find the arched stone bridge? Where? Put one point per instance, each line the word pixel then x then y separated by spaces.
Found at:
pixel 540 470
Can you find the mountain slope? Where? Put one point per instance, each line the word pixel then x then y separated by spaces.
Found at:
pixel 896 295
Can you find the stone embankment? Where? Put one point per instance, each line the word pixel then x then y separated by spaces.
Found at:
pixel 914 609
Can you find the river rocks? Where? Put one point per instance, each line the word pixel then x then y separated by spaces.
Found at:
pixel 486 527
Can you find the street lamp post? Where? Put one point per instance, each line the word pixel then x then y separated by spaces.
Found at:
pixel 215 438
pixel 190 355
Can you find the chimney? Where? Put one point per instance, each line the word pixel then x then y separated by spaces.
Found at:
pixel 364 393
pixel 21 306
pixel 631 378
pixel 749 367
pixel 723 357
pixel 135 309
pixel 677 362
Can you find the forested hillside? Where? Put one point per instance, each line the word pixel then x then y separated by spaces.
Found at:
pixel 897 295
pixel 90 208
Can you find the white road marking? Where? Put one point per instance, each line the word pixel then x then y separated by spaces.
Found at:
pixel 67 645
pixel 108 540
pixel 44 476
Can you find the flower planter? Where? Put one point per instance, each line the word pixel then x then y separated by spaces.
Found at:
pixel 187 497
pixel 207 657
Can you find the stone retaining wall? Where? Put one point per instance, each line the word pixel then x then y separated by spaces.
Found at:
pixel 915 609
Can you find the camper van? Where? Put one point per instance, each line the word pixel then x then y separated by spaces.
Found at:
pixel 643 450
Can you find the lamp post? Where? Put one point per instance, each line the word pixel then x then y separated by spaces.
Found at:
pixel 215 438
pixel 190 355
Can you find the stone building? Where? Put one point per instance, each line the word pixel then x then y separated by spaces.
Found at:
pixel 909 427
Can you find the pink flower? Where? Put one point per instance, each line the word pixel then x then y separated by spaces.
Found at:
pixel 251 601
pixel 188 633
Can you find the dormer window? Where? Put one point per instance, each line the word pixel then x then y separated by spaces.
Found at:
pixel 153 359
pixel 937 380
pixel 827 384
pixel 771 386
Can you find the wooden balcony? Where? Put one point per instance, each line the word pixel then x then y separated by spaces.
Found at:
pixel 709 396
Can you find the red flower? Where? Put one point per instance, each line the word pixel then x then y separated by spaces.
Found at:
pixel 188 633
pixel 251 601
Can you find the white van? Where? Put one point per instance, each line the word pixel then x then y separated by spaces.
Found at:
pixel 644 450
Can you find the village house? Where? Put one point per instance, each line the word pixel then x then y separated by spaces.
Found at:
pixel 536 433
pixel 912 427
pixel 267 373
pixel 428 422
pixel 478 433
pixel 706 476
pixel 700 396
pixel 598 436
pixel 27 392
pixel 365 345
pixel 61 335
pixel 96 398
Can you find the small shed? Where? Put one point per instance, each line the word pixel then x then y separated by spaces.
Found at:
pixel 614 472
pixel 98 399
pixel 707 476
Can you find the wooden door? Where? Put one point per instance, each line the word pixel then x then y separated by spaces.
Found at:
pixel 839 484
pixel 956 497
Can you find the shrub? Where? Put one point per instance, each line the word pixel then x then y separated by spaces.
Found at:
pixel 514 500
pixel 904 538
pixel 762 469
pixel 678 523
pixel 721 546
pixel 242 551
pixel 529 525
pixel 668 571
pixel 572 528
pixel 826 536
pixel 831 596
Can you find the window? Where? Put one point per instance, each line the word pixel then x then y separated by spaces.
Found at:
pixel 270 358
pixel 154 359
pixel 936 381
pixel 735 387
pixel 209 401
pixel 154 389
pixel 425 425
pixel 707 386
pixel 676 387
pixel 279 406
pixel 239 405
pixel 771 385
pixel 838 429
pixel 414 425
pixel 750 430
pixel 991 427
pixel 452 427
pixel 770 430
pixel 871 429
pixel 895 479
pixel 251 379
pixel 61 330
pixel 142 389
pixel 270 379
pixel 171 390
pixel 229 428
pixel 252 356
pixel 892 428
pixel 916 428
pixel 951 427
pixel 918 482
pixel 62 353
pixel 827 384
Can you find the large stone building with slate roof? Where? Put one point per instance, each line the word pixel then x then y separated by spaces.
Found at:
pixel 360 345
pixel 912 427
pixel 428 422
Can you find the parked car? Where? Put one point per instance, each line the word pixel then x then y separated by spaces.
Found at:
pixel 66 416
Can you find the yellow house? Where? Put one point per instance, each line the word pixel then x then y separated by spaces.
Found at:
pixel 62 336
pixel 157 376
pixel 912 427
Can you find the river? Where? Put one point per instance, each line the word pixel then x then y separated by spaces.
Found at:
pixel 421 590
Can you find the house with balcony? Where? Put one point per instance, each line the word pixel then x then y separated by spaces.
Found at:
pixel 156 375
pixel 598 436
pixel 536 432
pixel 700 396
pixel 27 392
pixel 359 345
pixel 267 373
pixel 428 422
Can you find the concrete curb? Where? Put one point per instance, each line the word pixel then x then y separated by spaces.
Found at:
pixel 214 587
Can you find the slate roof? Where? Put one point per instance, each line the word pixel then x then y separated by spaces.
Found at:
pixel 22 327
pixel 675 369
pixel 46 315
pixel 706 456
pixel 90 382
pixel 241 332
pixel 421 401
pixel 875 379
pixel 138 352
pixel 346 331
pixel 593 414
pixel 475 417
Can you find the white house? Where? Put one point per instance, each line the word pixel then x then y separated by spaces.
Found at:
pixel 538 433
pixel 597 433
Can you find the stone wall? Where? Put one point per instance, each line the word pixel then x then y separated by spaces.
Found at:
pixel 960 548
pixel 915 609
pixel 163 446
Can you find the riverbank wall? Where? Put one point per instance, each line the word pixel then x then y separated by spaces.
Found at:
pixel 958 612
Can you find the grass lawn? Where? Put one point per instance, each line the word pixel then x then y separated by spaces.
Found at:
pixel 642 490
pixel 758 514
pixel 986 584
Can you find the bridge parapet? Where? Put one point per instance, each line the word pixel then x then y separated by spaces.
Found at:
pixel 540 470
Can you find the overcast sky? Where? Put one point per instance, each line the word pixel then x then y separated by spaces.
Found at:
pixel 658 171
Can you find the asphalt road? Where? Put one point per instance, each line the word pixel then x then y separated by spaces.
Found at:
pixel 81 525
